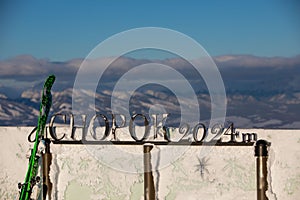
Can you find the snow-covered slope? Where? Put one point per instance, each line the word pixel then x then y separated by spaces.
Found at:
pixel 271 111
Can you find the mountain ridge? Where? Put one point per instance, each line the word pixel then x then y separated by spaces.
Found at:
pixel 246 111
pixel 259 89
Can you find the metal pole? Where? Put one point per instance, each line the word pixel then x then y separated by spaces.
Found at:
pixel 149 191
pixel 261 154
pixel 47 158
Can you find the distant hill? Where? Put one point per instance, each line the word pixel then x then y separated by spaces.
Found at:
pixel 245 110
pixel 261 92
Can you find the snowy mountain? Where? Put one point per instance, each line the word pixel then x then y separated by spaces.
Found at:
pixel 247 111
pixel 261 91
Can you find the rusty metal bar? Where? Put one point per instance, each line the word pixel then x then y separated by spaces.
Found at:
pixel 149 191
pixel 179 143
pixel 261 154
pixel 47 159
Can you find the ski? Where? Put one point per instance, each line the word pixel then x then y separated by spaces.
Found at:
pixel 31 179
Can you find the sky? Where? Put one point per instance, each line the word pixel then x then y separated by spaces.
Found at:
pixel 63 30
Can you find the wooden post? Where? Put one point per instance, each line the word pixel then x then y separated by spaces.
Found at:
pixel 47 158
pixel 261 153
pixel 149 191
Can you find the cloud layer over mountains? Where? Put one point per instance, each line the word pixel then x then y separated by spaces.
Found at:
pixel 26 66
pixel 239 72
pixel 261 92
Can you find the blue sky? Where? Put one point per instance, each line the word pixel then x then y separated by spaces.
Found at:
pixel 62 30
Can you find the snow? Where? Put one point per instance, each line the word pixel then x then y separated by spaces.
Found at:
pixel 228 172
pixel 3 96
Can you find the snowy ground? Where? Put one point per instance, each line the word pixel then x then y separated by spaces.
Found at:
pixel 227 172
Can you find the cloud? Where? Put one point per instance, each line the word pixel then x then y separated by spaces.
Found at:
pixel 238 71
pixel 26 66
pixel 254 61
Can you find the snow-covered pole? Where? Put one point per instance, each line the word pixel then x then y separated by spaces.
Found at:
pixel 261 154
